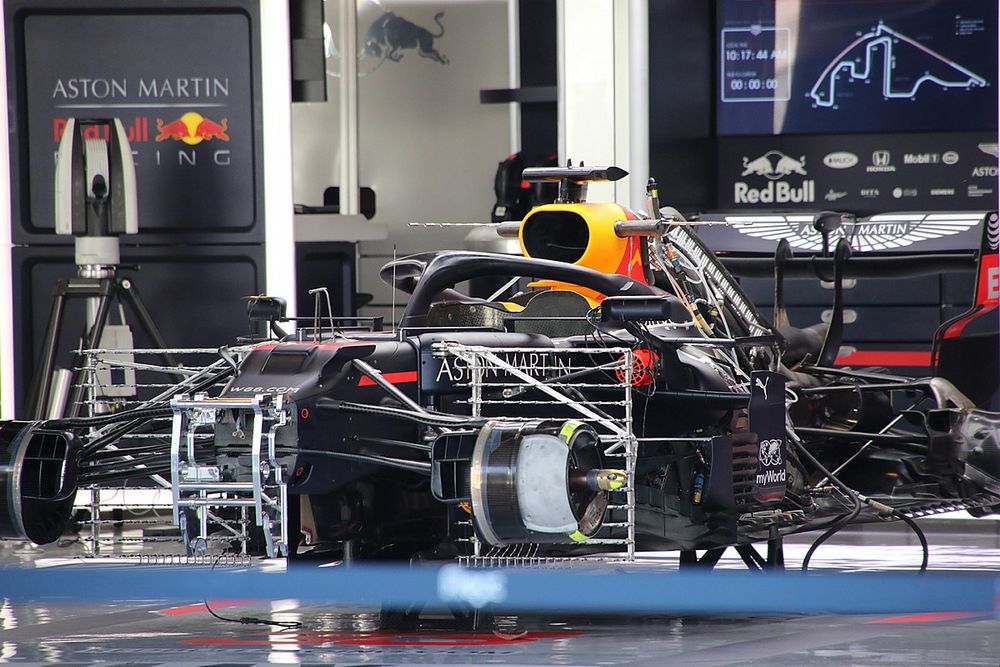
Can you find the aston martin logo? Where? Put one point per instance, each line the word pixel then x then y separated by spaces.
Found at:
pixel 879 232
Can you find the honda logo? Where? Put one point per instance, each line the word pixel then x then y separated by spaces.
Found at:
pixel 881 158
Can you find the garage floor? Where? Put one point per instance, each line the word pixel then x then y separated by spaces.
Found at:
pixel 159 633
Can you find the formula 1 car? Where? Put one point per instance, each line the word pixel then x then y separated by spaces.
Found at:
pixel 627 397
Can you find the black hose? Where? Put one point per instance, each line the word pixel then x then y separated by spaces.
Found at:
pixel 410 466
pixel 920 536
pixel 848 491
pixel 115 435
pixel 103 420
pixel 831 531
pixel 429 418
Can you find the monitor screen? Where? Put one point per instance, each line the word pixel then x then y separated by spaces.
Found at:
pixel 856 66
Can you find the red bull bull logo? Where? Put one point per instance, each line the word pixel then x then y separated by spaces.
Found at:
pixel 774 166
pixel 192 128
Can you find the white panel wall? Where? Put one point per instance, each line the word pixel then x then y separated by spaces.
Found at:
pixel 427 146
pixel 280 249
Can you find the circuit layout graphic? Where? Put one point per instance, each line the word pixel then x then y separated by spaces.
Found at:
pixel 859 57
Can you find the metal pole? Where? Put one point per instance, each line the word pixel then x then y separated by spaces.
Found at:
pixel 514 72
pixel 349 195
pixel 638 107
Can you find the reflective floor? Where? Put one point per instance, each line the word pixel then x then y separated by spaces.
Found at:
pixel 156 633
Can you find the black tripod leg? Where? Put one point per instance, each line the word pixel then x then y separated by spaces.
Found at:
pixel 776 553
pixel 750 557
pixel 127 292
pixel 93 341
pixel 41 384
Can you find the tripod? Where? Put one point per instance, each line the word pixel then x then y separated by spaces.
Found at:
pixel 104 288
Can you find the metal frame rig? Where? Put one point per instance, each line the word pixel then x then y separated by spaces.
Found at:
pixel 595 414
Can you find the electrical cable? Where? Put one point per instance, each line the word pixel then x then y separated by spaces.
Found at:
pixel 103 420
pixel 920 536
pixel 858 499
pixel 830 532
pixel 249 620
pixel 410 466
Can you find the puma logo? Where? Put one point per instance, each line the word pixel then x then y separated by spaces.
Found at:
pixel 762 385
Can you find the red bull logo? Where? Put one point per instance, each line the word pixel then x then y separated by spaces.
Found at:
pixel 775 166
pixel 192 128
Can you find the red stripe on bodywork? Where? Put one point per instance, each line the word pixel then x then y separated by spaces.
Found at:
pixel 885 358
pixel 956 329
pixel 322 346
pixel 401 377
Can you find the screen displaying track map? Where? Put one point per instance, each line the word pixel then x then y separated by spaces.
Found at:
pixel 853 66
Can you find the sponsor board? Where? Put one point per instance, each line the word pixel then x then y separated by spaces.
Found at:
pixel 942 192
pixel 834 195
pixel 950 157
pixel 898 193
pixel 985 171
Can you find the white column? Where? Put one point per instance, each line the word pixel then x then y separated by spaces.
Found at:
pixel 638 98
pixel 514 72
pixel 592 50
pixel 277 119
pixel 6 283
pixel 350 195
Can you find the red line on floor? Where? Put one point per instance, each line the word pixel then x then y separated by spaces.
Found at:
pixel 200 606
pixel 930 617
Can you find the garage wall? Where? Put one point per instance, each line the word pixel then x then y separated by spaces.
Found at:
pixel 427 147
